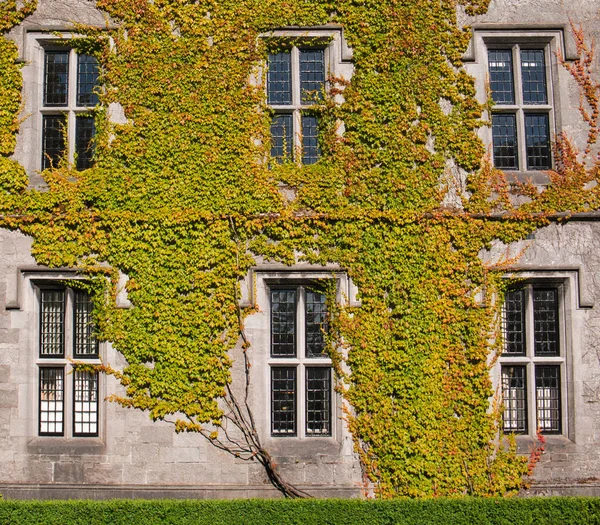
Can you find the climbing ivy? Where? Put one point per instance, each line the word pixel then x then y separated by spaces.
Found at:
pixel 183 200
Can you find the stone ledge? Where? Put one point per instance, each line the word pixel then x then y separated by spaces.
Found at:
pixel 585 487
pixel 101 492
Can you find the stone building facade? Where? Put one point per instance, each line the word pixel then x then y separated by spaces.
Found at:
pixel 104 450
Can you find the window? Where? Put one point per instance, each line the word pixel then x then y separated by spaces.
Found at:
pixel 66 332
pixel 295 84
pixel 522 116
pixel 68 95
pixel 299 367
pixel 533 362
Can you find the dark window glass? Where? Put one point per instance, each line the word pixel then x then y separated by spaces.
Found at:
pixel 501 76
pixel 85 130
pixel 504 132
pixel 533 74
pixel 318 401
pixel 56 78
pixel 87 80
pixel 312 75
pixel 283 400
pixel 283 323
pixel 315 324
pixel 279 78
pixel 51 401
pixel 514 322
pixel 85 344
pixel 514 399
pixel 547 398
pixel 53 139
pixel 52 323
pixel 545 322
pixel 537 141
pixel 310 142
pixel 281 137
pixel 85 403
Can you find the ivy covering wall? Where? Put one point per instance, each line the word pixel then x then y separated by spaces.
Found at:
pixel 182 201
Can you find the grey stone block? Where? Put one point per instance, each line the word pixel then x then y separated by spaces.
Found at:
pixel 9 397
pixel 68 473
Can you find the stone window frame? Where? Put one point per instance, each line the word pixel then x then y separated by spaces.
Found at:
pixel 37 43
pixel 565 283
pixel 34 281
pixel 494 36
pixel 337 63
pixel 255 295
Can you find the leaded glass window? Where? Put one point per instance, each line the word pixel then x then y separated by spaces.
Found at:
pixel 522 111
pixel 301 371
pixel 67 335
pixel 69 95
pixel 533 360
pixel 295 88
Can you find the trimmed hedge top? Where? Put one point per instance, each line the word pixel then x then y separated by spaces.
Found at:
pixel 539 511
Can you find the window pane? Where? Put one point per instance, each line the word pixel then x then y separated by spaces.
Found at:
pixel 85 344
pixel 281 137
pixel 514 322
pixel 52 323
pixel 514 398
pixel 312 75
pixel 51 401
pixel 53 139
pixel 537 141
pixel 547 395
pixel 85 403
pixel 84 144
pixel 504 132
pixel 533 73
pixel 310 142
pixel 279 78
pixel 318 401
pixel 501 76
pixel 545 322
pixel 56 78
pixel 283 401
pixel 315 323
pixel 283 323
pixel 87 80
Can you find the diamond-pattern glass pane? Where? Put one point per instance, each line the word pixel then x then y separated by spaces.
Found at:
pixel 85 403
pixel 281 137
pixel 52 323
pixel 87 80
pixel 514 399
pixel 283 323
pixel 504 133
pixel 547 398
pixel 545 322
pixel 501 76
pixel 85 344
pixel 85 130
pixel 537 137
pixel 56 78
pixel 279 78
pixel 310 142
pixel 312 75
pixel 53 139
pixel 315 323
pixel 514 322
pixel 283 401
pixel 318 401
pixel 533 75
pixel 51 416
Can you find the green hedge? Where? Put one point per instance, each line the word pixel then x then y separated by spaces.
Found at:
pixel 536 511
